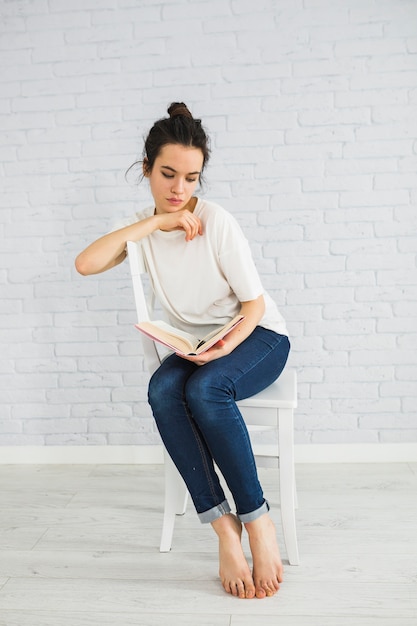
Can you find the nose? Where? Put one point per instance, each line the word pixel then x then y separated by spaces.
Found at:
pixel 177 186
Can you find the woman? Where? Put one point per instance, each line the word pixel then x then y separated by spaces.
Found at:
pixel 203 275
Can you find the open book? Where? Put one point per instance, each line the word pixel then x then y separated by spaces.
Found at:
pixel 183 342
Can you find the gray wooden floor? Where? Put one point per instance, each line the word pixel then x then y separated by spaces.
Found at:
pixel 79 548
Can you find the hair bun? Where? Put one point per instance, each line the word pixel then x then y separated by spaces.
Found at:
pixel 179 108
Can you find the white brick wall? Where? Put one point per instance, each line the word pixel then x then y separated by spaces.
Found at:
pixel 311 105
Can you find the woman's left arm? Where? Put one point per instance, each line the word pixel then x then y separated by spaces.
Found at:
pixel 253 311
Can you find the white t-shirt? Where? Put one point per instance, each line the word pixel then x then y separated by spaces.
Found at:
pixel 200 283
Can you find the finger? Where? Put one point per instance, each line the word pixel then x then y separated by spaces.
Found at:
pixel 195 226
pixel 191 228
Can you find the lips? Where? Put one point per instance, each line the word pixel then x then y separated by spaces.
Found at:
pixel 174 201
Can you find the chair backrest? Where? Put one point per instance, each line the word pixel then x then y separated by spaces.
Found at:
pixel 143 308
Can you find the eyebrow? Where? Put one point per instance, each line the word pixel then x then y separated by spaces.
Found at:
pixel 171 169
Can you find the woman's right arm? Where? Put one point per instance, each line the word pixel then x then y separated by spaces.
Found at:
pixel 110 250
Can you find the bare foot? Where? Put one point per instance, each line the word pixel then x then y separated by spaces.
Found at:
pixel 234 570
pixel 267 565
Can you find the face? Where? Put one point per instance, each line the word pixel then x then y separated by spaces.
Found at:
pixel 174 177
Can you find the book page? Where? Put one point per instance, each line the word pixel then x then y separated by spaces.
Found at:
pixel 181 341
pixel 177 340
pixel 213 337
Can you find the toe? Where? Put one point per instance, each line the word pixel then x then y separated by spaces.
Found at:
pixel 260 592
pixel 240 589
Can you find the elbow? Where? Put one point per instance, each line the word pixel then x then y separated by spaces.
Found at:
pixel 82 266
pixel 261 304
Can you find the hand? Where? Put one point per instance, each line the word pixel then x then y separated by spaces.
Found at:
pixel 215 352
pixel 181 220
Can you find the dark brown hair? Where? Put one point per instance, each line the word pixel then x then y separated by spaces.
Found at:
pixel 179 128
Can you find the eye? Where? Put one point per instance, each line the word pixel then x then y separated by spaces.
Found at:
pixel 191 180
pixel 165 175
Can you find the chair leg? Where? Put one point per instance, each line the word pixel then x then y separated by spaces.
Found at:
pixel 295 495
pixel 287 483
pixel 176 497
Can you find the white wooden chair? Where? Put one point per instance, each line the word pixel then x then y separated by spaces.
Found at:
pixel 272 409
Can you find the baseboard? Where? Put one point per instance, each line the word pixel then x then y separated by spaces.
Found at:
pixel 357 453
pixel 81 455
pixel 132 455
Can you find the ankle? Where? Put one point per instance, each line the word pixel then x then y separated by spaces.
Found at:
pixel 260 526
pixel 227 524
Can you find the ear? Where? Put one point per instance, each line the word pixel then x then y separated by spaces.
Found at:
pixel 145 168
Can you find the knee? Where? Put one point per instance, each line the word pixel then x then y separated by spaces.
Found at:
pixel 206 389
pixel 160 389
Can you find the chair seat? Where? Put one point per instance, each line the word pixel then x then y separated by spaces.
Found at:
pixel 282 394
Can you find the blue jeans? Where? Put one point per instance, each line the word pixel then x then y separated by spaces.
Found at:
pixel 199 422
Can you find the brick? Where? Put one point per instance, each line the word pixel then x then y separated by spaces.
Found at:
pixel 53 426
pixel 338 183
pixel 373 198
pixel 328 67
pixel 380 261
pixel 52 86
pixel 118 439
pixel 334 279
pixel 400 130
pixel 79 348
pixel 407 164
pixel 397 277
pixel 383 357
pixel 340 32
pixel 409 405
pixel 134 14
pixel 80 395
pixel 9 427
pixel 55 22
pixel 30 380
pixel 200 10
pixel 89 380
pixel 345 436
pixel 351 311
pixel 55 54
pixel 395 181
pixel 402 388
pixel 319 134
pixel 359 342
pixel 24 121
pixel 331 116
pixel 365 404
pixel 100 409
pixel 384 80
pixel 22 440
pixel 370 97
pixel 398 325
pixel 274 186
pixel 60 6
pixel 360 374
pixel 75 439
pixel 351 166
pixel 357 230
pixel 341 327
pixel 43 411
pixel 369 246
pixel 398 436
pixel 48 150
pixel 370 47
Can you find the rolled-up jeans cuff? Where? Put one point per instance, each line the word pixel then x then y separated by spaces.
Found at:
pixel 251 517
pixel 212 514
